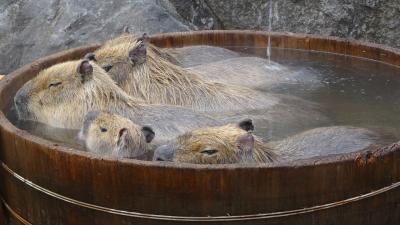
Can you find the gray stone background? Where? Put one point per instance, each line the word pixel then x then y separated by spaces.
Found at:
pixel 33 28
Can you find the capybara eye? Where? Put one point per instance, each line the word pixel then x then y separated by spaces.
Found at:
pixel 102 129
pixel 55 84
pixel 107 67
pixel 209 151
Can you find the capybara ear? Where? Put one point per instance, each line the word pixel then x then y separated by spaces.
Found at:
pixel 148 133
pixel 90 56
pixel 121 136
pixel 126 29
pixel 85 69
pixel 246 125
pixel 138 54
pixel 246 142
pixel 144 38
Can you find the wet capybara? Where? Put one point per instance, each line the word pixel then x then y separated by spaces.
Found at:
pixel 111 134
pixel 146 75
pixel 233 143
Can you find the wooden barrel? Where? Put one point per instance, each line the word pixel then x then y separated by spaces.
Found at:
pixel 44 183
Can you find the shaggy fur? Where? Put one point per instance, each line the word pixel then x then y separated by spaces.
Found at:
pixel 61 96
pixel 127 38
pixel 159 81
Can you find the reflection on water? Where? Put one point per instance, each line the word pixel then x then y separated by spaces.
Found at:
pixel 67 137
pixel 350 91
pixel 353 91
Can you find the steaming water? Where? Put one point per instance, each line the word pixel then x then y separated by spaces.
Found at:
pixel 350 91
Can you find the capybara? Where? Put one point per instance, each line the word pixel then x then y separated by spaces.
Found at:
pixel 111 134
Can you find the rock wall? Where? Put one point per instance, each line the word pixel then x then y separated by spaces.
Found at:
pixel 30 29
pixel 33 28
pixel 371 20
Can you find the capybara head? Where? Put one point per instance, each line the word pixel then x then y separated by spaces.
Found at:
pixel 120 56
pixel 112 134
pixel 114 55
pixel 62 94
pixel 232 143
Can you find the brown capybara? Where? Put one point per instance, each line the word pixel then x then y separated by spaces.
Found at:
pixel 113 135
pixel 233 144
pixel 61 95
pixel 146 75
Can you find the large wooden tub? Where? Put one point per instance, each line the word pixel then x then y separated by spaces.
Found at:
pixel 43 183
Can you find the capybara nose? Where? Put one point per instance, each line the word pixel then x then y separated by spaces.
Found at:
pixel 163 153
pixel 21 98
pixel 21 101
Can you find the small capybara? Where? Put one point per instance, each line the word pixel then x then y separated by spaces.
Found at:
pixel 114 135
pixel 61 95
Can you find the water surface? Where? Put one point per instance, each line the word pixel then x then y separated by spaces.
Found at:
pixel 349 91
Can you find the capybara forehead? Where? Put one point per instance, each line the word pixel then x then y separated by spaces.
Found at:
pixel 59 72
pixel 123 39
pixel 115 53
pixel 223 137
pixel 113 121
pixel 64 69
pixel 227 132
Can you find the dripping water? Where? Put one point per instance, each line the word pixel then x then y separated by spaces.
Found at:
pixel 269 31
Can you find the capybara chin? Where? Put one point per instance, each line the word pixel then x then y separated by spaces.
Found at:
pixel 61 95
pixel 231 143
pixel 142 73
pixel 113 135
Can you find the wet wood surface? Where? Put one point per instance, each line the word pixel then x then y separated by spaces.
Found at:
pixel 67 178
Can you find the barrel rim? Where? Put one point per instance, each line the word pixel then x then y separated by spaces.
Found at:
pixel 360 156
